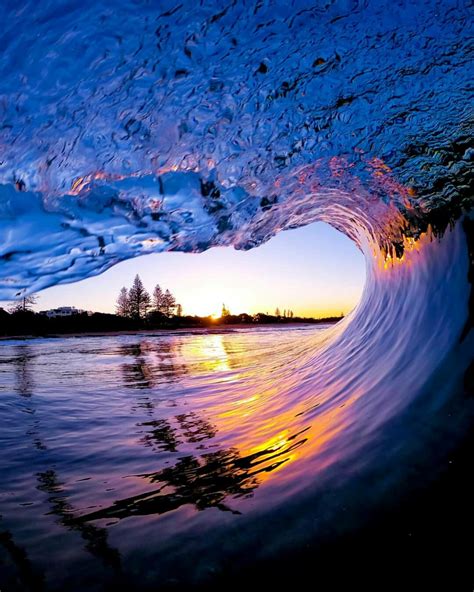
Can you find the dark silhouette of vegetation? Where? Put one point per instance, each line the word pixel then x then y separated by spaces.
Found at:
pixel 25 304
pixel 136 303
pixel 138 300
pixel 122 305
pixel 135 310
pixel 34 324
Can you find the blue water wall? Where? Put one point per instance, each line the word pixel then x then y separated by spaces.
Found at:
pixel 134 127
pixel 140 127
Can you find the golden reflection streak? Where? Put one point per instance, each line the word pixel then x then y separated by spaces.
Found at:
pixel 252 418
pixel 268 432
pixel 207 354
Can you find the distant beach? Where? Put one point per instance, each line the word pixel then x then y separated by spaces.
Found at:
pixel 216 329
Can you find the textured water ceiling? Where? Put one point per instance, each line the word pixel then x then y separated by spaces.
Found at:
pixel 143 126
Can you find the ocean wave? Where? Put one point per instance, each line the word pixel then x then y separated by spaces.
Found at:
pixel 135 130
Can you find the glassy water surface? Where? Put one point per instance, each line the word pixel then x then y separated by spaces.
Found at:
pixel 121 446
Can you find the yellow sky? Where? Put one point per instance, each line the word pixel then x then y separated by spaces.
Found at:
pixel 314 271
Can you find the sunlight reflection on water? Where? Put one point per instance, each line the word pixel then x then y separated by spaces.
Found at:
pixel 127 451
pixel 102 429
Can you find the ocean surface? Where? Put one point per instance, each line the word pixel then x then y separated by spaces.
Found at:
pixel 185 460
pixel 162 459
pixel 121 450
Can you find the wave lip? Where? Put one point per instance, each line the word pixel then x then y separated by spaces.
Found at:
pixel 265 430
pixel 136 131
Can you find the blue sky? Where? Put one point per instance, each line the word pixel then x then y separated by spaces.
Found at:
pixel 313 270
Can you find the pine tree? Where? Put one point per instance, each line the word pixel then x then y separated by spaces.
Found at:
pixel 158 299
pixel 179 310
pixel 24 304
pixel 277 312
pixel 138 299
pixel 169 303
pixel 225 311
pixel 122 304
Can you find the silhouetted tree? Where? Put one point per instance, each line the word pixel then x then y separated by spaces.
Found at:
pixel 138 299
pixel 24 304
pixel 122 306
pixel 179 310
pixel 277 312
pixel 158 299
pixel 225 311
pixel 169 303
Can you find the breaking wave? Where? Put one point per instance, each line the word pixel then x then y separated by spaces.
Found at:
pixel 140 129
pixel 135 129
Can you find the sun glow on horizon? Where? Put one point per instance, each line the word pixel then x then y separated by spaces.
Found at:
pixel 313 271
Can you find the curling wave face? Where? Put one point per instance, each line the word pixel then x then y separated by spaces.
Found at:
pixel 169 459
pixel 138 130
pixel 135 129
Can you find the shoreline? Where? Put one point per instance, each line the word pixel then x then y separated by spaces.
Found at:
pixel 164 331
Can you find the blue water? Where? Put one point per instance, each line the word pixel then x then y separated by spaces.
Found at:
pixel 144 127
pixel 140 128
pixel 142 456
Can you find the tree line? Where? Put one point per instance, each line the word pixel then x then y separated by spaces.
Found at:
pixel 136 309
pixel 136 303
pixel 287 314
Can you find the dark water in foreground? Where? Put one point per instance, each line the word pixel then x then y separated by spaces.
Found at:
pixel 113 447
pixel 165 460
